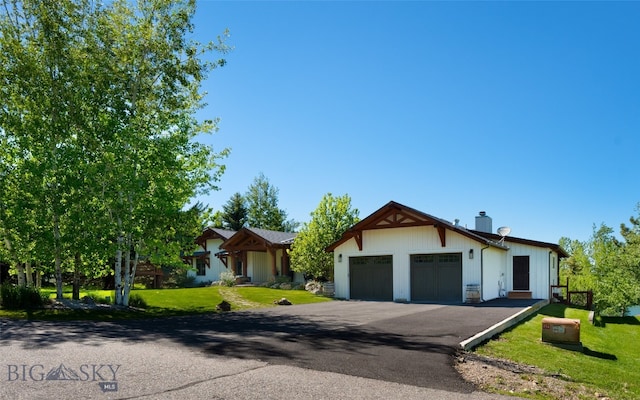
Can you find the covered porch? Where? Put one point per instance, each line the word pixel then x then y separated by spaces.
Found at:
pixel 257 255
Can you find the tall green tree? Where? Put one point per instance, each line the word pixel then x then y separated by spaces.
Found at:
pixel 631 235
pixel 234 213
pixel 605 265
pixel 157 72
pixel 262 206
pixel 98 118
pixel 577 267
pixel 332 217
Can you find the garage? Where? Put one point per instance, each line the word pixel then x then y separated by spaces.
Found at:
pixel 371 278
pixel 436 277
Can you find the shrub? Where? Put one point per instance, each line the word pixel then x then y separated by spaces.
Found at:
pixel 185 281
pixel 20 297
pixel 283 279
pixel 135 300
pixel 228 278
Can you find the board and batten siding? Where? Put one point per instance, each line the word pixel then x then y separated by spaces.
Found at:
pixel 259 267
pixel 494 268
pixel 401 243
pixel 541 273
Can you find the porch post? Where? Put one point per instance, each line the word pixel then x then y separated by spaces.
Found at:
pixel 245 267
pixel 233 262
pixel 285 262
pixel 274 267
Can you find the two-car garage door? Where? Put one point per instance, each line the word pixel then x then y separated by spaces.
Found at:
pixel 434 277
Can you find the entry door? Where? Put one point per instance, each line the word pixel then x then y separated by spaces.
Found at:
pixel 520 272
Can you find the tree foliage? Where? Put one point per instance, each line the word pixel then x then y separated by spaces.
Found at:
pixel 607 266
pixel 234 213
pixel 262 207
pixel 329 221
pixel 97 122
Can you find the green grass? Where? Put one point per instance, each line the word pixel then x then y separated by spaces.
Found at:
pixel 172 302
pixel 267 296
pixel 609 364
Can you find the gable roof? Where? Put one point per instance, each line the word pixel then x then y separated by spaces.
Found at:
pixel 213 233
pixel 258 239
pixel 396 215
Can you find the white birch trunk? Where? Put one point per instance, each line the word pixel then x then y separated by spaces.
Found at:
pixel 118 265
pixel 118 272
pixel 20 272
pixel 28 273
pixel 38 278
pixel 127 272
pixel 58 258
pixel 132 276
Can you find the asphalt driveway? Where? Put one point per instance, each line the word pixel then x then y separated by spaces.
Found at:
pixel 412 344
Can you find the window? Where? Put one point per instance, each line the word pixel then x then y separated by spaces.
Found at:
pixel 238 267
pixel 200 267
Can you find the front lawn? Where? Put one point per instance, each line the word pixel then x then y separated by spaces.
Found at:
pixel 609 364
pixel 170 302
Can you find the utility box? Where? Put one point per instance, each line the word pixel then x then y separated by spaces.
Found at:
pixel 561 330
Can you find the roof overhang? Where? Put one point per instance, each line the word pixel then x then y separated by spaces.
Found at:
pixel 213 233
pixel 396 215
pixel 551 246
pixel 248 239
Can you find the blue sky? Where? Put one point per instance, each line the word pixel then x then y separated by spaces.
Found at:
pixel 529 111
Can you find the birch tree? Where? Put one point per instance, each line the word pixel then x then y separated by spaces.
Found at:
pixel 98 113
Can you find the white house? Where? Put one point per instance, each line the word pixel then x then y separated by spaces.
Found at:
pixel 402 254
pixel 206 266
pixel 253 255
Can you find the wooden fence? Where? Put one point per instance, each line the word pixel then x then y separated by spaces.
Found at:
pixel 562 294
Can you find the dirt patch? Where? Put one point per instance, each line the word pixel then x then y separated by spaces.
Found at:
pixel 507 377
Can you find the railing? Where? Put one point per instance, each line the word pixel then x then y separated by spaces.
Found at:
pixel 562 294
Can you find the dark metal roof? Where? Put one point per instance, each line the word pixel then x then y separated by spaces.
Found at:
pixel 275 236
pixel 267 237
pixel 223 233
pixel 556 247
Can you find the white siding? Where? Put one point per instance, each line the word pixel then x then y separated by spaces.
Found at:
pixel 401 243
pixel 259 266
pixel 539 268
pixel 212 274
pixel 493 272
pixel 497 264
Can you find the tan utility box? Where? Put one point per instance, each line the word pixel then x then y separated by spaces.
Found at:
pixel 561 330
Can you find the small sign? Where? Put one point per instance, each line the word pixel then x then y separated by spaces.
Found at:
pixel 108 386
pixel 558 329
pixel 546 326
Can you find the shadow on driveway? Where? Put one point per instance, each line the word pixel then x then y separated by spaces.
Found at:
pixel 415 348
